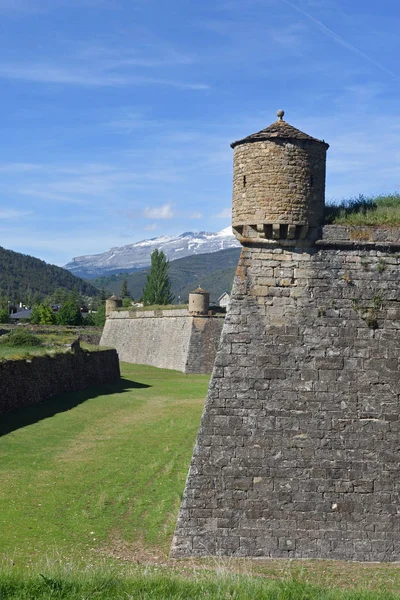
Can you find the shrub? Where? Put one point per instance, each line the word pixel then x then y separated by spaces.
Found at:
pixel 4 318
pixel 19 337
pixel 89 320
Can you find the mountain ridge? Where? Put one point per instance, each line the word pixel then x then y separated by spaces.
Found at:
pixel 24 276
pixel 213 271
pixel 132 257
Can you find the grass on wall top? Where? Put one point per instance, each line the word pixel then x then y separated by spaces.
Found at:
pixel 21 343
pixel 153 307
pixel 363 210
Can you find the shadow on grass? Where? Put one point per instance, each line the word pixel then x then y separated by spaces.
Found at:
pixel 28 415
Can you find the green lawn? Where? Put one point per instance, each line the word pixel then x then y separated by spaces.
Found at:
pixel 105 473
pixel 91 484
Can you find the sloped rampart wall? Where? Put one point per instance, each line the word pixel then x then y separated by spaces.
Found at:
pixel 170 339
pixel 297 452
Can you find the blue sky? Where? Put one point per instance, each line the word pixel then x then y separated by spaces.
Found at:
pixel 117 115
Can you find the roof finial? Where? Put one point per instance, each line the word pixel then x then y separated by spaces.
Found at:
pixel 280 113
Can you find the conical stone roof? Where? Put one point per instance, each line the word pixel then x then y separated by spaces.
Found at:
pixel 278 130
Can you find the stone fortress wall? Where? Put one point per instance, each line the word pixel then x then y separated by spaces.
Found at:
pixel 297 451
pixel 26 382
pixel 168 339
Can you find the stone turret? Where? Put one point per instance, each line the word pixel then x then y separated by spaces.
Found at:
pixel 278 185
pixel 199 301
pixel 112 304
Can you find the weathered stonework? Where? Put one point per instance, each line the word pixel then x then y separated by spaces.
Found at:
pixel 26 382
pixel 167 339
pixel 112 304
pixel 278 184
pixel 297 452
pixel 279 176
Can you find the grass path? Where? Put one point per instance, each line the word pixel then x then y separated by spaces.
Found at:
pixel 93 480
pixel 106 473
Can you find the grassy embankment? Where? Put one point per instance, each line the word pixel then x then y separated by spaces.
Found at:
pixel 91 484
pixel 23 342
pixel 377 210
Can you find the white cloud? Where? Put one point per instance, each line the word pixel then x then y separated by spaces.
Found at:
pixel 151 227
pixel 13 214
pixel 290 36
pixel 159 212
pixel 87 183
pixel 153 55
pixel 40 6
pixel 226 213
pixel 58 247
pixel 97 65
pixel 19 167
pixel 47 73
pixel 196 215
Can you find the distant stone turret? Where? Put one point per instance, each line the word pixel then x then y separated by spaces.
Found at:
pixel 112 304
pixel 199 301
pixel 278 185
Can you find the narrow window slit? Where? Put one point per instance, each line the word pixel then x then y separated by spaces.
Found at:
pixel 244 180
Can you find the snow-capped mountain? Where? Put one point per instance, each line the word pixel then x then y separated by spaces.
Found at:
pixel 136 256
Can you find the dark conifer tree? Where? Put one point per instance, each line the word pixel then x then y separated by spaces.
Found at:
pixel 125 293
pixel 158 286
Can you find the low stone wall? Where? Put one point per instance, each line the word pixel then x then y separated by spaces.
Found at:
pixel 361 235
pixel 167 339
pixel 25 382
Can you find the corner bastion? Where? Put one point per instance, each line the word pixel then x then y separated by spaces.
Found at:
pixel 297 451
pixel 168 339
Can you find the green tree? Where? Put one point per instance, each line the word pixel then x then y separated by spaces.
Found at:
pixel 42 315
pixel 69 313
pixel 158 286
pixel 125 293
pixel 58 296
pixel 99 317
